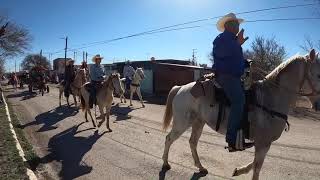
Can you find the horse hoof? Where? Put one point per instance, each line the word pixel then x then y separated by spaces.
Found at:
pixel 109 130
pixel 203 171
pixel 131 105
pixel 143 106
pixel 235 172
pixel 166 167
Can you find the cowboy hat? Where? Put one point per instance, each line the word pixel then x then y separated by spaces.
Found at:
pixel 96 57
pixel 227 18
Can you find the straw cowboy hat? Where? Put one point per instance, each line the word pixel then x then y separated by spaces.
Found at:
pixel 226 18
pixel 96 57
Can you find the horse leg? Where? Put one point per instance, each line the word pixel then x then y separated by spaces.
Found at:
pixel 140 97
pixel 108 118
pixel 259 156
pixel 131 95
pixel 60 94
pixel 197 128
pixel 75 100
pixel 86 115
pixel 89 112
pixel 174 134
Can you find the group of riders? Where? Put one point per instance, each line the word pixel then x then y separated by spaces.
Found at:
pixel 229 65
pixel 96 75
pixel 36 75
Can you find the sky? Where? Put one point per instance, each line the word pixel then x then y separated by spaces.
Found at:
pixel 88 21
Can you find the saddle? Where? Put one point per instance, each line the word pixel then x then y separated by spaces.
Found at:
pixel 207 86
pixel 93 88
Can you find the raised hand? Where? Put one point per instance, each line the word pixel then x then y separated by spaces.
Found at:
pixel 240 37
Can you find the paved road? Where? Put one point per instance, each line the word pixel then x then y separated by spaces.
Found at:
pixel 70 148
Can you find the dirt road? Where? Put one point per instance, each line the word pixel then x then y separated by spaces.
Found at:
pixel 70 148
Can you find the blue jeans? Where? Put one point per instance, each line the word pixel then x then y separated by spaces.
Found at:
pixel 234 91
pixel 128 82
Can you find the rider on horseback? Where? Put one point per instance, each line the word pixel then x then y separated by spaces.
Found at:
pixel 128 73
pixel 69 76
pixel 229 65
pixel 97 75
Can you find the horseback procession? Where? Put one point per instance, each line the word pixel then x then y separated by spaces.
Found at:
pixel 249 113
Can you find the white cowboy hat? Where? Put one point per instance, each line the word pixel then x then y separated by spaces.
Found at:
pixel 96 57
pixel 226 18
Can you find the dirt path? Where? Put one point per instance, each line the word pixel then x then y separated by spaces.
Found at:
pixel 70 149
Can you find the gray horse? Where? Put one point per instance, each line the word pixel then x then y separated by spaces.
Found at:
pixel 276 92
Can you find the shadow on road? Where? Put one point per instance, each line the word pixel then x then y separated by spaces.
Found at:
pixel 70 149
pixel 24 95
pixel 52 117
pixel 122 112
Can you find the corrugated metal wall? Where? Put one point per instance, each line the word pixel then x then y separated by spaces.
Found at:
pixel 167 76
pixel 147 83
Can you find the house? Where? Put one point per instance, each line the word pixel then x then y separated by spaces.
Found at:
pixel 162 75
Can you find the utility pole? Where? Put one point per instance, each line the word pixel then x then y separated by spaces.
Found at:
pixel 83 59
pixel 15 65
pixel 86 57
pixel 65 54
pixel 74 55
pixel 193 56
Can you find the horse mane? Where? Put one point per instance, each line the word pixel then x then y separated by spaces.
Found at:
pixel 284 65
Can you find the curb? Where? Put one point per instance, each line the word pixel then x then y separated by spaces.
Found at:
pixel 30 173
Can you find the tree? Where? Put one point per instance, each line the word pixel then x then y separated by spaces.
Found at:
pixel 15 39
pixel 266 53
pixel 33 60
pixel 309 44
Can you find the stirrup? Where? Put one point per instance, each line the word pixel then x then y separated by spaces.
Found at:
pixel 234 149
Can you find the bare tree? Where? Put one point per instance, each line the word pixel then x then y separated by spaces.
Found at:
pixel 33 60
pixel 267 53
pixel 14 40
pixel 310 44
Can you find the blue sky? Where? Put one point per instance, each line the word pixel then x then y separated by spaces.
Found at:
pixel 90 21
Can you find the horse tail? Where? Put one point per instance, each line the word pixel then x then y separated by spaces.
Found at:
pixel 168 112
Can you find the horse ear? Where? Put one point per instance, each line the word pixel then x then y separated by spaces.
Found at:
pixel 312 55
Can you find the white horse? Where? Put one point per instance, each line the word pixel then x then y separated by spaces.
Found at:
pixel 79 80
pixel 134 86
pixel 274 94
pixel 104 98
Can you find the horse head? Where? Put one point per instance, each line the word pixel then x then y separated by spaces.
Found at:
pixel 116 82
pixel 140 73
pixel 312 73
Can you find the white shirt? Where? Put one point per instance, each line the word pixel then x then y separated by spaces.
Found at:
pixel 128 71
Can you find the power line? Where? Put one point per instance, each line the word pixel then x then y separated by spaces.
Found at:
pixel 170 28
pixel 192 27
pixel 211 18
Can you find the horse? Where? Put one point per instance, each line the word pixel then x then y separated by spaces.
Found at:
pixel 75 86
pixel 14 81
pixel 275 93
pixel 134 86
pixel 104 98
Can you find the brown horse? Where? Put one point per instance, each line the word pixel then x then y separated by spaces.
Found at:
pixel 104 98
pixel 79 80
